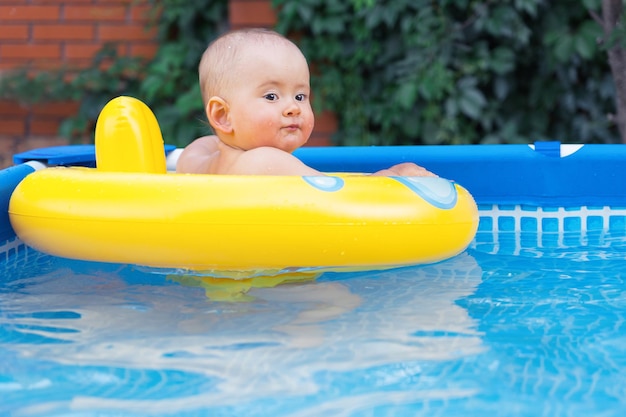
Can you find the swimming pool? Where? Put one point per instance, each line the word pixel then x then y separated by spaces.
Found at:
pixel 528 321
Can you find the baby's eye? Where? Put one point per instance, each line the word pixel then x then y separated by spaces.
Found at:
pixel 300 97
pixel 271 97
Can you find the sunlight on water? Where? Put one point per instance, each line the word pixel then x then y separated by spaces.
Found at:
pixel 506 328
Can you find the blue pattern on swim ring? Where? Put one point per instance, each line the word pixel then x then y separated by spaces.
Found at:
pixel 325 183
pixel 439 192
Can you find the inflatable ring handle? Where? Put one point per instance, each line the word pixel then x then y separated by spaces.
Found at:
pixel 128 138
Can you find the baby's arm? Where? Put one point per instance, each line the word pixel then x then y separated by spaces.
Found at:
pixel 205 151
pixel 272 161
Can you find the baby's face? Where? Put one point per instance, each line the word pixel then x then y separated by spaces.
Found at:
pixel 270 102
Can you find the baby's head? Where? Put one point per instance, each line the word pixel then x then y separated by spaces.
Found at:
pixel 256 92
pixel 222 60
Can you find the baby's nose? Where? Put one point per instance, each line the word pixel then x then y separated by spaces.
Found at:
pixel 293 108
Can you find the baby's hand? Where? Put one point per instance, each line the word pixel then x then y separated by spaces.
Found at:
pixel 406 169
pixel 409 169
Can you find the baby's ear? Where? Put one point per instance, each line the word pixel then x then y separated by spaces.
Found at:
pixel 217 112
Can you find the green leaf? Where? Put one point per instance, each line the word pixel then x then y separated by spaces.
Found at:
pixel 586 39
pixel 564 48
pixel 501 87
pixel 502 60
pixel 406 95
pixel 471 102
pixel 435 82
pixel 190 102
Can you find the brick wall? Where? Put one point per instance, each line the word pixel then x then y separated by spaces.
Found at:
pixel 44 34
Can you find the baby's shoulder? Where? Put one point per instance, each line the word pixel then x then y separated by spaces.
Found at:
pixel 267 160
pixel 261 159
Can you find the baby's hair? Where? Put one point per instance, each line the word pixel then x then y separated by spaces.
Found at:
pixel 221 57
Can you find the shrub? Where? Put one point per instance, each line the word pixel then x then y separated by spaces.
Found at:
pixel 456 71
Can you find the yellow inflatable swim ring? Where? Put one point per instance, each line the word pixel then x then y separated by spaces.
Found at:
pixel 130 210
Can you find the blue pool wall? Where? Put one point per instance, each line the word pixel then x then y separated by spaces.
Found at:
pixel 9 179
pixel 517 187
pixel 500 174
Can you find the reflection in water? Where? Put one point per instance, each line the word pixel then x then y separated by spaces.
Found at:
pixel 236 290
pixel 313 345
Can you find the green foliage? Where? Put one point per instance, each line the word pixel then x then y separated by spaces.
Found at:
pixel 168 83
pixel 394 72
pixel 456 71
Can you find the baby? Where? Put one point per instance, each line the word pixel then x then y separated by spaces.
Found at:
pixel 256 93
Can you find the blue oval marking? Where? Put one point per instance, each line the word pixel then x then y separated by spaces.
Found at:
pixel 325 183
pixel 439 192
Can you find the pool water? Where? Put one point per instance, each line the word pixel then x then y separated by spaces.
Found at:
pixel 522 323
